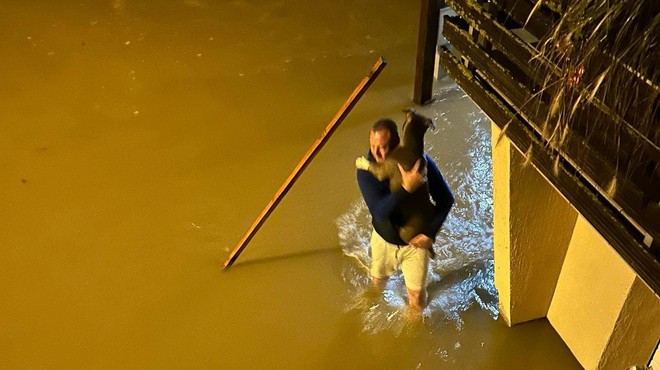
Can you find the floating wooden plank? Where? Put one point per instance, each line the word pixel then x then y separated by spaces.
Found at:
pixel 306 160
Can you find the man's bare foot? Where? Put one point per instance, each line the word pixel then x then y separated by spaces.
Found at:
pixel 414 314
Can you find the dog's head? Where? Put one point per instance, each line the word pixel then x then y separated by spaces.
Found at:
pixel 416 124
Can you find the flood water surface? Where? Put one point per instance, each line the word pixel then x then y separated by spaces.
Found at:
pixel 141 139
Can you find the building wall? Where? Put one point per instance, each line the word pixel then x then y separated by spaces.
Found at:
pixel 501 236
pixel 550 262
pixel 533 226
pixel 636 330
pixel 590 293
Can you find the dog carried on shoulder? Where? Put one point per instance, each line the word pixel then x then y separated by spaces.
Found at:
pixel 417 209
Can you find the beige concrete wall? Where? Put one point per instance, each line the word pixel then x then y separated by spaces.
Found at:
pixel 590 293
pixel 549 261
pixel 605 314
pixel 636 330
pixel 501 236
pixel 533 226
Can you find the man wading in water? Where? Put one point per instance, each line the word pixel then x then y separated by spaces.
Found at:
pixel 388 251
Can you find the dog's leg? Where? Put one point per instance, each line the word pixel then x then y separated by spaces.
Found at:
pixel 376 169
pixel 362 163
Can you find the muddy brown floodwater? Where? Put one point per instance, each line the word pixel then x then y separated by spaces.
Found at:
pixel 140 139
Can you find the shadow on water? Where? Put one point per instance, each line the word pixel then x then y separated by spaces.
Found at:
pixel 258 261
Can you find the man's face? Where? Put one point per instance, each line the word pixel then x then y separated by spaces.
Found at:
pixel 379 143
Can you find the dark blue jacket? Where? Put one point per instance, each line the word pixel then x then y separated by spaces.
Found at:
pixel 383 204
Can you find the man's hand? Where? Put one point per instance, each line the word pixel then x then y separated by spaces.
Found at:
pixel 414 178
pixel 421 241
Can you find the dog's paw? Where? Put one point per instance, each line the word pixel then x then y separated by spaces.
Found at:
pixel 362 163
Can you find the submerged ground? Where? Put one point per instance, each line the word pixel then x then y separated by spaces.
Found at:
pixel 140 139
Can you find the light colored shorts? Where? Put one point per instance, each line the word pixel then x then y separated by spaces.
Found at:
pixel 386 259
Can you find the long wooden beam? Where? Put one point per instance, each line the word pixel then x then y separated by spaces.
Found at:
pixel 307 158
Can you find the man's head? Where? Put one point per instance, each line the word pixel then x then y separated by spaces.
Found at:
pixel 383 137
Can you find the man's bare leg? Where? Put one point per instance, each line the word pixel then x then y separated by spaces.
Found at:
pixel 417 299
pixel 379 283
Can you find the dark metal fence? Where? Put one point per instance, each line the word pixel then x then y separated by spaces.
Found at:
pixel 574 85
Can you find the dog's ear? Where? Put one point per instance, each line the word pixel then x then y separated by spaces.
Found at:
pixel 431 123
pixel 410 112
